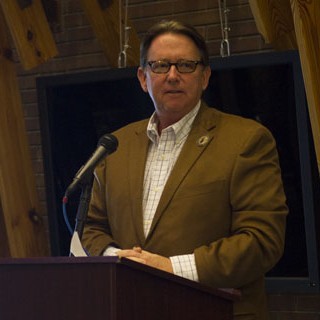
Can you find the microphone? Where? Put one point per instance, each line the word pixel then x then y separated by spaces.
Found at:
pixel 107 144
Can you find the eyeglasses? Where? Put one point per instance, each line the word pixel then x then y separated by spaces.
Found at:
pixel 183 66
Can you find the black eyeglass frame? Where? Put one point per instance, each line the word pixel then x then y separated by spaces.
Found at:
pixel 176 64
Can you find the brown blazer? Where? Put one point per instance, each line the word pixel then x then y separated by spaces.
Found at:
pixel 223 201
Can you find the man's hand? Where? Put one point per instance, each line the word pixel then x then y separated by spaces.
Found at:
pixel 148 258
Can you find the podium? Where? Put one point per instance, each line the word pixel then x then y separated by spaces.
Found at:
pixel 104 288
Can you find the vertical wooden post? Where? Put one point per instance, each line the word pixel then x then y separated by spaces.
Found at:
pixel 22 230
pixel 306 16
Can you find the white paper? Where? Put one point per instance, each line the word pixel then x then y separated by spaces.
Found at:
pixel 76 248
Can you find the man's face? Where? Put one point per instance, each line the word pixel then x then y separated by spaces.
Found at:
pixel 174 94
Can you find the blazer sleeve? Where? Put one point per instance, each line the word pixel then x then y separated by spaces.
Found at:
pixel 258 215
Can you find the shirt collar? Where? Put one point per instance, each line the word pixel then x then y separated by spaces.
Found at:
pixel 180 128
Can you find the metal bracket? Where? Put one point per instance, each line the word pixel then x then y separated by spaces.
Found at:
pixel 223 12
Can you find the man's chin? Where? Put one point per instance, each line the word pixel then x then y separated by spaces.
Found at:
pixel 175 110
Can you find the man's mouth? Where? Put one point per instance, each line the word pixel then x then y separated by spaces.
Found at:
pixel 174 91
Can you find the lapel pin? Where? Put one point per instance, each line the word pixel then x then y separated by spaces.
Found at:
pixel 203 141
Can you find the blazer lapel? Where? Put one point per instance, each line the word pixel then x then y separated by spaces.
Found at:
pixel 137 160
pixel 199 138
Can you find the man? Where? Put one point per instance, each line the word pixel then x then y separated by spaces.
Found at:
pixel 192 191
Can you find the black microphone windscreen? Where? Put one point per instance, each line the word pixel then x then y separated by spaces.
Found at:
pixel 109 141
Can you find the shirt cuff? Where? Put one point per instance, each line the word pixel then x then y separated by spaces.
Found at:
pixel 110 251
pixel 185 266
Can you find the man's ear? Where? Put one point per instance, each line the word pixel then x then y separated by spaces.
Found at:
pixel 206 77
pixel 142 79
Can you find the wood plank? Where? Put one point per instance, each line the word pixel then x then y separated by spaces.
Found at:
pixel 22 232
pixel 104 20
pixel 307 27
pixel 30 31
pixel 5 53
pixel 275 23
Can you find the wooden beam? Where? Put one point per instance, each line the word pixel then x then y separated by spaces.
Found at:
pixel 5 53
pixel 306 16
pixel 104 18
pixel 30 31
pixel 275 23
pixel 23 234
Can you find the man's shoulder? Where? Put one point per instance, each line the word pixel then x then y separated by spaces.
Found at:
pixel 131 128
pixel 229 119
pixel 233 125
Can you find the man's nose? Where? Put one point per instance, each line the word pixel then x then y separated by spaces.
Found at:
pixel 173 72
